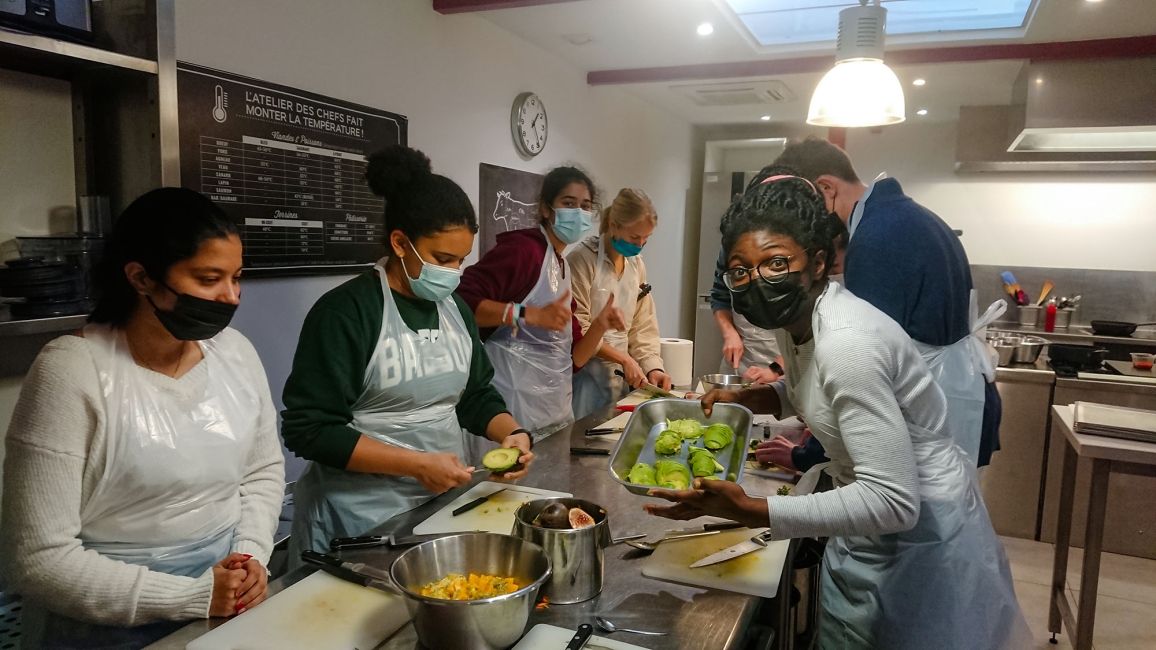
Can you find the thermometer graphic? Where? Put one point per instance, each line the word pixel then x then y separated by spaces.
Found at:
pixel 219 101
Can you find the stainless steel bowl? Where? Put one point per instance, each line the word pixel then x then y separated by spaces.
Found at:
pixel 1029 349
pixel 722 382
pixel 575 553
pixel 485 624
pixel 1006 351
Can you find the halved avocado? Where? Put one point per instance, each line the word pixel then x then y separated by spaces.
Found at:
pixel 501 460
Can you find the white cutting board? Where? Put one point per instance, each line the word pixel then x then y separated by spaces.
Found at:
pixel 543 636
pixel 755 574
pixel 494 516
pixel 1128 369
pixel 318 613
pixel 617 422
pixel 1128 379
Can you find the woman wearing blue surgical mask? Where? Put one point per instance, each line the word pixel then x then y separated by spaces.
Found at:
pixel 520 292
pixel 609 264
pixel 144 476
pixel 390 377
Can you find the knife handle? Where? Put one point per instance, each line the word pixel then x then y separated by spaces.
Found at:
pixel 589 451
pixel 469 506
pixel 578 641
pixel 321 559
pixel 723 525
pixel 365 541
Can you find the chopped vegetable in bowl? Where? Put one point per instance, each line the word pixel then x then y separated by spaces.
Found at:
pixel 456 586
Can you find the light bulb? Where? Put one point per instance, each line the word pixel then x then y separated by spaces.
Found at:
pixel 858 93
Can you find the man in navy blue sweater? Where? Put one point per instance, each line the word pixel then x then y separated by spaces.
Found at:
pixel 907 262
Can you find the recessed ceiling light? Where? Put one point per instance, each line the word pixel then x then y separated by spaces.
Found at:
pixel 765 118
pixel 1039 80
pixel 921 112
pixel 705 29
pixel 1093 1
pixel 919 82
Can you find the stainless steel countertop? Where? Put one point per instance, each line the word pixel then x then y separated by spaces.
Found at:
pixel 695 617
pixel 1035 373
pixel 1145 337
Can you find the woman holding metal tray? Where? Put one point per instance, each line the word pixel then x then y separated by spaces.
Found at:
pixel 913 561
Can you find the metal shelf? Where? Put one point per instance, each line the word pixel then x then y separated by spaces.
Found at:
pixel 57 58
pixel 42 325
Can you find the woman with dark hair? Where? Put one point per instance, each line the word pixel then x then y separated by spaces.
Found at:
pixel 520 292
pixel 390 369
pixel 912 561
pixel 143 476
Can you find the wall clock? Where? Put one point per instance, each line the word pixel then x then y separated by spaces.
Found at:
pixel 528 124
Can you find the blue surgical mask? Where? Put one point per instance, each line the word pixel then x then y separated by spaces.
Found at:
pixel 625 248
pixel 434 283
pixel 571 223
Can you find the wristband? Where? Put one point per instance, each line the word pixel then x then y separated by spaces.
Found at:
pixel 528 435
pixel 519 311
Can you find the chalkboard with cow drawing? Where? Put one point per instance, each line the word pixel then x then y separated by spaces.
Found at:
pixel 508 201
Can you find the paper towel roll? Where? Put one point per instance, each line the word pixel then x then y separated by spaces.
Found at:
pixel 678 360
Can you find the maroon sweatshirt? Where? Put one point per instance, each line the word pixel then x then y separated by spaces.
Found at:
pixel 509 271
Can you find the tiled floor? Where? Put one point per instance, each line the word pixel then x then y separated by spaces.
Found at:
pixel 1126 609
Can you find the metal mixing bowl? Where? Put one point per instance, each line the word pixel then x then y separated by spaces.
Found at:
pixel 485 624
pixel 722 382
pixel 1029 349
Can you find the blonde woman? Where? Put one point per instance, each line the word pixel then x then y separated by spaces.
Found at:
pixel 608 264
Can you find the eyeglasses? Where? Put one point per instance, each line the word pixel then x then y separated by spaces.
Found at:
pixel 738 279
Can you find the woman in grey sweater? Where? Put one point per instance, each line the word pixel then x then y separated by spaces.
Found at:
pixel 912 562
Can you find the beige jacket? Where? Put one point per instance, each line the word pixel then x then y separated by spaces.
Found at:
pixel 642 331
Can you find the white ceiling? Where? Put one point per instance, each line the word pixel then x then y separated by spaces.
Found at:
pixel 626 34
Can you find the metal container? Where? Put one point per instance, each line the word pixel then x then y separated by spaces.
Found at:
pixel 575 554
pixel 1006 352
pixel 485 624
pixel 722 382
pixel 1029 349
pixel 636 445
pixel 1030 315
pixel 1064 318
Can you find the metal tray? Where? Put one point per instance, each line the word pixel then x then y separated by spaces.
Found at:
pixel 648 420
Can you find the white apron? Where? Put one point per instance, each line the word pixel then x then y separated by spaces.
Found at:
pixel 759 346
pixel 961 370
pixel 945 583
pixel 596 386
pixel 409 398
pixel 533 366
pixel 174 455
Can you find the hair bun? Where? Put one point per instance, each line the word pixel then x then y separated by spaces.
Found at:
pixel 395 168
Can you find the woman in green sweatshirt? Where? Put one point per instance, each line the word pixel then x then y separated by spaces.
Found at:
pixel 389 370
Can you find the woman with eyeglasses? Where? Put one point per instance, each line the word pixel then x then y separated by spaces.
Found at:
pixel 608 265
pixel 520 293
pixel 390 372
pixel 912 561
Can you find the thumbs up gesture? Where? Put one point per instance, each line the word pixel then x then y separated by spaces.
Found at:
pixel 553 316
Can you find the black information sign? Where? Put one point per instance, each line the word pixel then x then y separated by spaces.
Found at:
pixel 288 166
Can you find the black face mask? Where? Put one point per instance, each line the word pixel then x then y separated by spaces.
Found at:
pixel 771 306
pixel 193 318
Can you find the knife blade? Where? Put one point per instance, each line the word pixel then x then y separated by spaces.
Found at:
pixel 589 451
pixel 371 541
pixel 474 504
pixel 756 543
pixel 649 387
pixel 357 573
pixel 581 637
pixel 707 529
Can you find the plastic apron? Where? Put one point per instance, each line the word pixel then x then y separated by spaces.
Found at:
pixel 532 365
pixel 596 386
pixel 759 346
pixel 960 370
pixel 409 397
pixel 175 455
pixel 945 583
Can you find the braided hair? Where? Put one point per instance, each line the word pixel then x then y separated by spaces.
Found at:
pixel 778 200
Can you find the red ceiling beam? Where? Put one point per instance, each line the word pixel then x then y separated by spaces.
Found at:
pixel 467 6
pixel 1107 48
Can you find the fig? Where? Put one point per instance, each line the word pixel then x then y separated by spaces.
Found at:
pixel 580 519
pixel 555 515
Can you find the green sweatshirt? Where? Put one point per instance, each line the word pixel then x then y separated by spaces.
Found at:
pixel 337 341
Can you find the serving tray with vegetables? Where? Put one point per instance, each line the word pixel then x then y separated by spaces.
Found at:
pixel 668 442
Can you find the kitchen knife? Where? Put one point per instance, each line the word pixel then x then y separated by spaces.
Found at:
pixel 649 387
pixel 370 541
pixel 581 637
pixel 589 451
pixel 706 529
pixel 474 504
pixel 756 543
pixel 357 573
pixel 600 431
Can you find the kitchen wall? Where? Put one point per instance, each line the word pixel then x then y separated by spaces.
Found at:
pixel 455 78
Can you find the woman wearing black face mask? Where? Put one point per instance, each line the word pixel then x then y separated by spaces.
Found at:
pixel 144 477
pixel 912 560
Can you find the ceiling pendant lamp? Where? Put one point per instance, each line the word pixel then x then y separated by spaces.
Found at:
pixel 860 90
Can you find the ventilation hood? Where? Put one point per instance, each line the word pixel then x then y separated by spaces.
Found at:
pixel 1067 116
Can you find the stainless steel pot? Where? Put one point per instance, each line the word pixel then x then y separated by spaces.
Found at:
pixel 485 624
pixel 575 554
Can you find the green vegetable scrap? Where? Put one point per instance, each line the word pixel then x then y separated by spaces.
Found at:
pixel 672 474
pixel 687 428
pixel 668 443
pixel 641 474
pixel 718 436
pixel 783 490
pixel 703 463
